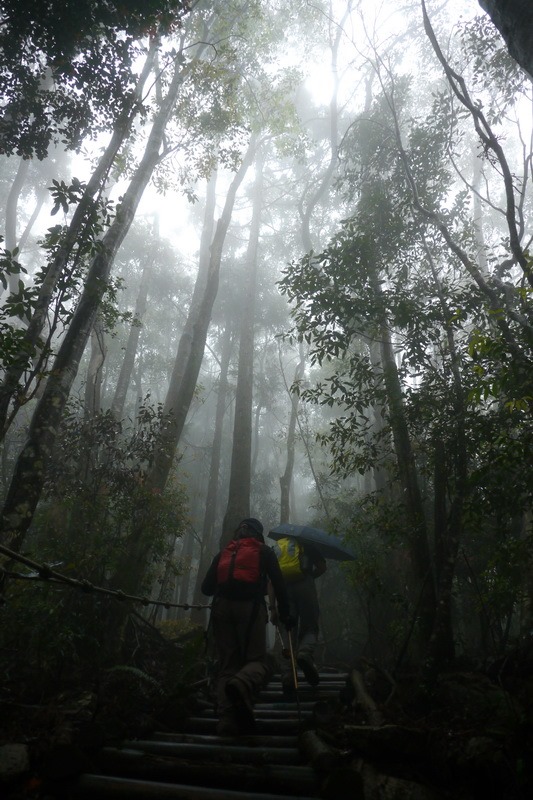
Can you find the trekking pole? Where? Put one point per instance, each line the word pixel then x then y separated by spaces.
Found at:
pixel 284 650
pixel 294 675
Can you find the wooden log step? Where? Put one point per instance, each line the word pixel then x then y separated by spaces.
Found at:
pixel 103 787
pixel 281 705
pixel 145 766
pixel 210 752
pixel 326 678
pixel 275 684
pixel 307 705
pixel 306 695
pixel 268 726
pixel 282 713
pixel 249 740
pixel 290 714
pixel 305 691
pixel 273 713
pixel 271 707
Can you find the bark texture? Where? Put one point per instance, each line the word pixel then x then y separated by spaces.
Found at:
pixel 514 20
pixel 128 362
pixel 241 457
pixel 60 263
pixel 29 473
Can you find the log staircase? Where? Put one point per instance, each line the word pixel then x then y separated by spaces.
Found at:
pixel 282 760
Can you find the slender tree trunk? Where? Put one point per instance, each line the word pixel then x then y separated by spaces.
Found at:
pixel 306 210
pixel 441 646
pixel 238 506
pixel 379 473
pixel 208 529
pixel 11 214
pixel 59 263
pixel 41 196
pixel 491 144
pixel 27 481
pixel 526 615
pixel 478 218
pixel 185 581
pixel 181 390
pixel 419 546
pixel 166 587
pixel 255 436
pixel 126 368
pixel 318 486
pixel 285 480
pixel 93 383
pixel 192 343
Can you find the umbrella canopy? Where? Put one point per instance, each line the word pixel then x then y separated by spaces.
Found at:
pixel 328 545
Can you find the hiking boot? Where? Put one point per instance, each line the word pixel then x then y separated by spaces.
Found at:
pixel 307 665
pixel 242 706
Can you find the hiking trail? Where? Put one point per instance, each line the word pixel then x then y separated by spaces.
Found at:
pixel 283 759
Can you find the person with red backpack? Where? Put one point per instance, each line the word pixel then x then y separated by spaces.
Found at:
pixel 238 579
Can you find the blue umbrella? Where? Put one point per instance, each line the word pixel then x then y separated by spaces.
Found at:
pixel 328 545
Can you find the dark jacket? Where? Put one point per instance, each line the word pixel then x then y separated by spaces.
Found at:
pixel 270 570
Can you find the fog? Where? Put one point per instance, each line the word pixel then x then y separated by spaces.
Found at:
pixel 282 272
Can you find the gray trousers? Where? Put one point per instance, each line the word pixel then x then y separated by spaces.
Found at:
pixel 239 632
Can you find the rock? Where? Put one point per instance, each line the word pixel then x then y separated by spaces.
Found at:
pixel 14 761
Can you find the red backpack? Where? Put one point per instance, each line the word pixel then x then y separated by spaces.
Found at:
pixel 240 563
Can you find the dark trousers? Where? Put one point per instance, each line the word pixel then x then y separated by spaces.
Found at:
pixel 303 604
pixel 239 631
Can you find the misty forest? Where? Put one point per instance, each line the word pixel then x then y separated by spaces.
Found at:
pixel 271 259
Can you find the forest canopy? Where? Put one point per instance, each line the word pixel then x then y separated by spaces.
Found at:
pixel 66 68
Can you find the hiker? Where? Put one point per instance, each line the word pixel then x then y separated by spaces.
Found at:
pixel 238 579
pixel 300 563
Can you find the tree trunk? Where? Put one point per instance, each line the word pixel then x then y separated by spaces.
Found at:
pixel 441 646
pixel 285 480
pixel 93 383
pixel 41 196
pixel 192 343
pixel 74 234
pixel 379 473
pixel 11 240
pixel 211 502
pixel 238 506
pixel 514 20
pixel 126 369
pixel 185 582
pixel 322 187
pixel 181 390
pixel 418 541
pixel 28 477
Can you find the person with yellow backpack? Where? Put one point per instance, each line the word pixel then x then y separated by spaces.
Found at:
pixel 300 563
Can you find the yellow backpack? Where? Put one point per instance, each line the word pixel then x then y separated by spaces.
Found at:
pixel 290 554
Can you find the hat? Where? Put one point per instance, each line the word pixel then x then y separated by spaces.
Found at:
pixel 254 524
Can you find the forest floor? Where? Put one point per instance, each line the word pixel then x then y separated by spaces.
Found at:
pixel 468 736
